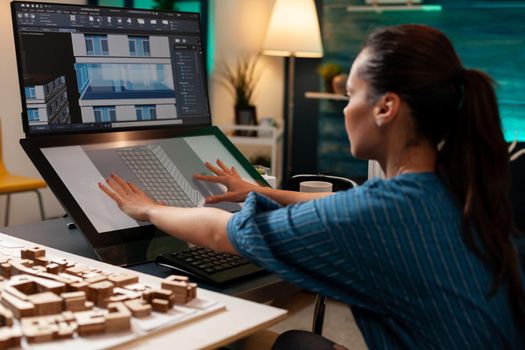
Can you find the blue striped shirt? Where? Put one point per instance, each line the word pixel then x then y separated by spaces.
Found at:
pixel 393 251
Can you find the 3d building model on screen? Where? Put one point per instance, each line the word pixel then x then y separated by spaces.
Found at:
pixel 118 78
pixel 47 102
pixel 123 77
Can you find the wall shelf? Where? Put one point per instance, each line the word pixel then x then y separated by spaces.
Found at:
pixel 267 136
pixel 325 96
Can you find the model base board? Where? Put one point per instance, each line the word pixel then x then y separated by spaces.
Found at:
pixel 48 301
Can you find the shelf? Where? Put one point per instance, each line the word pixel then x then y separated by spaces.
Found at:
pixel 325 96
pixel 272 139
pixel 273 134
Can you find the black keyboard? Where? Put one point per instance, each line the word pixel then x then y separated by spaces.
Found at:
pixel 208 265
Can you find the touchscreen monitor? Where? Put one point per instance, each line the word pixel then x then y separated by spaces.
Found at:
pixel 161 163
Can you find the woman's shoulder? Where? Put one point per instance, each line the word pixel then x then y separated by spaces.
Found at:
pixel 410 182
pixel 405 189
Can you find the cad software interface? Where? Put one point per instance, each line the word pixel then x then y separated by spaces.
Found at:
pixel 92 68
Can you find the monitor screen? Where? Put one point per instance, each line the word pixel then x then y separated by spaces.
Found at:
pixel 161 162
pixel 89 69
pixel 163 168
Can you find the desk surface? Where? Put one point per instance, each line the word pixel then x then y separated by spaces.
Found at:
pixel 240 318
pixel 55 234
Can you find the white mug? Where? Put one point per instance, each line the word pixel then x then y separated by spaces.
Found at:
pixel 315 186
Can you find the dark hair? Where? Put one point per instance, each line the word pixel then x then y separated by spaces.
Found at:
pixel 456 109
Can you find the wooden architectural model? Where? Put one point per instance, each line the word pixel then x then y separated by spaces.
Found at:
pixel 55 298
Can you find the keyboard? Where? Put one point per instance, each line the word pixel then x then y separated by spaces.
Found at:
pixel 208 265
pixel 160 178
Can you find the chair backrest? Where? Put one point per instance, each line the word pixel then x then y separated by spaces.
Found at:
pixel 339 183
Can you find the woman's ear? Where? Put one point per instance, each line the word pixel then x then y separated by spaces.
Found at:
pixel 386 108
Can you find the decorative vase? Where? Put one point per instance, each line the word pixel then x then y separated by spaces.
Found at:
pixel 339 84
pixel 245 115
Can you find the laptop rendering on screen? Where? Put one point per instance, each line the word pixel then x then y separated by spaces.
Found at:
pixel 118 90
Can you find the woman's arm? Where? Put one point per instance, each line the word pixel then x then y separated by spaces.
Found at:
pixel 238 189
pixel 205 227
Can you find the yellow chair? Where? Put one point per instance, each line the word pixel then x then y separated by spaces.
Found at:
pixel 15 184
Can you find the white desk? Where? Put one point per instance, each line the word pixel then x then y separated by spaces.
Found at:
pixel 240 318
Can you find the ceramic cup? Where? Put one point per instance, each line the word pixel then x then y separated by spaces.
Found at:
pixel 315 186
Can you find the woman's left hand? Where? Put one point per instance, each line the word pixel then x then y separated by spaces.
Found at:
pixel 129 198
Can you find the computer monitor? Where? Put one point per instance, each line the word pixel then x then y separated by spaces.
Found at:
pixel 118 90
pixel 160 162
pixel 91 69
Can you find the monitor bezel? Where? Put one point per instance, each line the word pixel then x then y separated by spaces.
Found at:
pixel 119 247
pixel 25 117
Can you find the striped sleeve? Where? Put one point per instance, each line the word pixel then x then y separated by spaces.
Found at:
pixel 296 242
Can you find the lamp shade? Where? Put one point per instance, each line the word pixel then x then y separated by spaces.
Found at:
pixel 293 30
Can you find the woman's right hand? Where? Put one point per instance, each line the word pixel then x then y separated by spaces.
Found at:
pixel 238 189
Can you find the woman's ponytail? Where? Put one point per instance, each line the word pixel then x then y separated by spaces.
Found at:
pixel 474 163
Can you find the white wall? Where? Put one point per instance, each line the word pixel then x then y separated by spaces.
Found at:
pixel 240 27
pixel 24 206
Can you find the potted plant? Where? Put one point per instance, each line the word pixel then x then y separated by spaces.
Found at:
pixel 328 71
pixel 241 81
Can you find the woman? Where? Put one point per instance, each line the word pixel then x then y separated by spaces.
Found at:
pixel 425 258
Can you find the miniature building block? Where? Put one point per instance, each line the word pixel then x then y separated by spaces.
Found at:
pixel 73 295
pixel 46 303
pixel 77 270
pixel 38 329
pixel 32 253
pixel 29 284
pixel 53 268
pixel 62 264
pixel 41 261
pixel 178 278
pixel 65 330
pixel 20 308
pixel 90 322
pixel 162 294
pixel 122 279
pixel 183 290
pixel 160 305
pixel 121 294
pixel 193 290
pixel 47 328
pixel 20 267
pixel 138 287
pixel 15 292
pixel 9 337
pixel 98 292
pixel 5 269
pixel 118 319
pixel 139 308
pixel 57 278
pixel 79 286
pixel 76 301
pixel 6 317
pixel 95 279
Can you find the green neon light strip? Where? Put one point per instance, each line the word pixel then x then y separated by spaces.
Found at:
pixel 210 50
pixel 115 3
pixel 385 8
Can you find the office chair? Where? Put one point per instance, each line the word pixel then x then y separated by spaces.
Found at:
pixel 338 184
pixel 10 183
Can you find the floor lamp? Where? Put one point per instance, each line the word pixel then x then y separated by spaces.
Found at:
pixel 293 32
